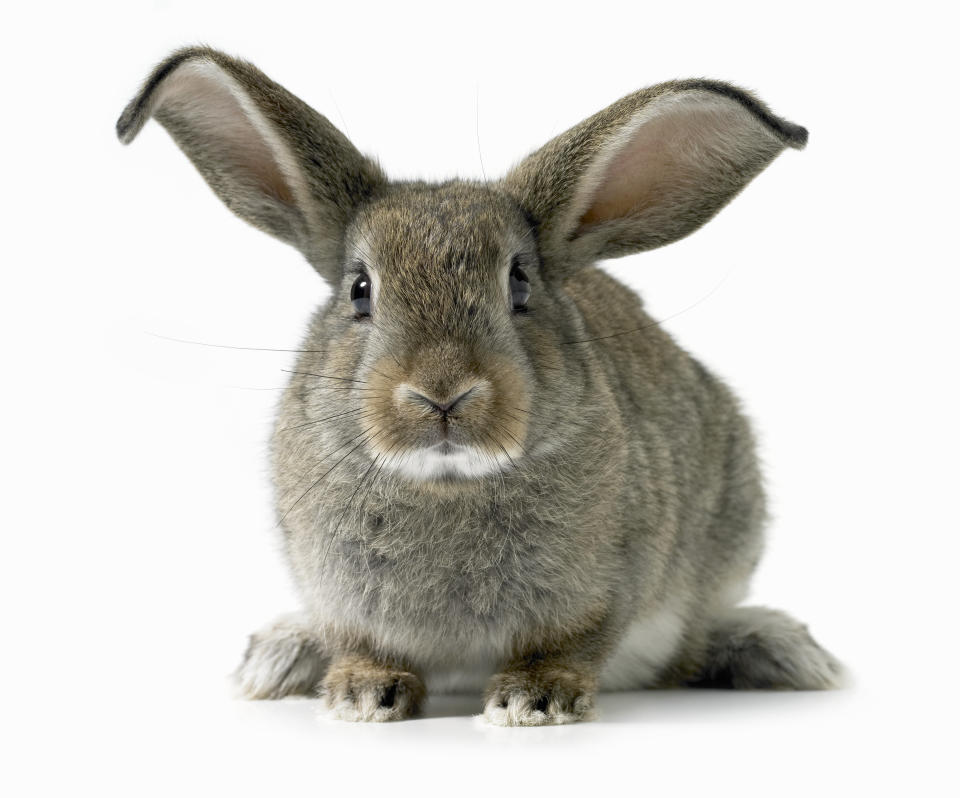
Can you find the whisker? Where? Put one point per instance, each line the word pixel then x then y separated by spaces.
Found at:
pixel 328 471
pixel 348 389
pixel 353 495
pixel 505 452
pixel 657 322
pixel 327 456
pixel 392 454
pixel 378 372
pixel 228 346
pixel 322 376
pixel 495 466
pixel 513 417
pixel 502 428
pixel 376 457
pixel 613 335
pixel 320 420
pixel 363 504
pixel 506 430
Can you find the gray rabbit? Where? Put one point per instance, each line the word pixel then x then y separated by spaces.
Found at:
pixel 492 467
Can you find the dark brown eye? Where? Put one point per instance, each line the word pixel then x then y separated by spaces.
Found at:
pixel 519 287
pixel 360 295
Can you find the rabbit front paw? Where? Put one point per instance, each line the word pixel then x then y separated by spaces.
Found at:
pixel 539 696
pixel 361 689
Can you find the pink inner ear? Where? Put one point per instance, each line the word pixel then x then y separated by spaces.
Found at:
pixel 201 93
pixel 630 179
pixel 678 150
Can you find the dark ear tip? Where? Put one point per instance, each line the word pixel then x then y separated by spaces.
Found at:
pixel 126 130
pixel 795 135
pixel 135 115
pixel 791 135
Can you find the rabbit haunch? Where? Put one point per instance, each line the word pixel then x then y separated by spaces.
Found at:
pixel 550 495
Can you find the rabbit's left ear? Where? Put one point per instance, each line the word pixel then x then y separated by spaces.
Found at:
pixel 272 159
pixel 647 170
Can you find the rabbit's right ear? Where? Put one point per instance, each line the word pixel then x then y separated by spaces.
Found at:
pixel 273 160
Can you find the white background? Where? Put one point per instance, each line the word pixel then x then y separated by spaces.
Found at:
pixel 138 548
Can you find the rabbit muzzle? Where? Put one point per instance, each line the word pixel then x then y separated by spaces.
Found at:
pixel 440 419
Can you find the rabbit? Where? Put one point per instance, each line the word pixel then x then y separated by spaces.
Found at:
pixel 493 470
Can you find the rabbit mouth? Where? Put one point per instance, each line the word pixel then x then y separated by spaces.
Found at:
pixel 448 461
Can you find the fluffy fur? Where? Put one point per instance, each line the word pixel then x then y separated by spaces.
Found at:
pixel 549 498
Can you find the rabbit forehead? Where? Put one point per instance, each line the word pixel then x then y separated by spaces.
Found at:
pixel 457 226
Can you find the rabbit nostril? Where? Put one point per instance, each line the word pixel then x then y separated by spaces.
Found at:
pixel 439 407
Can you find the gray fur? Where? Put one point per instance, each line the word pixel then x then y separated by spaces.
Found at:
pixel 282 659
pixel 614 498
pixel 334 178
pixel 759 647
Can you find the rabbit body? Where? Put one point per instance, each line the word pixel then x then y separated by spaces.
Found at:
pixel 491 465
pixel 632 515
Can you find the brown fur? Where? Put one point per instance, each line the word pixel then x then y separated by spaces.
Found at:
pixel 370 689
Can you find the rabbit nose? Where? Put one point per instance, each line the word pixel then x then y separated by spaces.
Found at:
pixel 442 407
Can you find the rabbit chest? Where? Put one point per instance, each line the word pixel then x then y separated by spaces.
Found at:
pixel 440 579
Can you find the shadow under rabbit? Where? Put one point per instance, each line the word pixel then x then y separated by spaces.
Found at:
pixel 639 707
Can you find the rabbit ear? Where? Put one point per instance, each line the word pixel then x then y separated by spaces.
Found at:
pixel 272 159
pixel 647 170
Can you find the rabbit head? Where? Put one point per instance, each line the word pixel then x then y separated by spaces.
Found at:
pixel 450 320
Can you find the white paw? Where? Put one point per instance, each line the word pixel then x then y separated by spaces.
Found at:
pixel 510 702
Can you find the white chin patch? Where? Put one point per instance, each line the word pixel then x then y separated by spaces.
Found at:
pixel 447 461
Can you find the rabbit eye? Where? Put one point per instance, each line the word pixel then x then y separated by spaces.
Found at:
pixel 519 287
pixel 360 295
